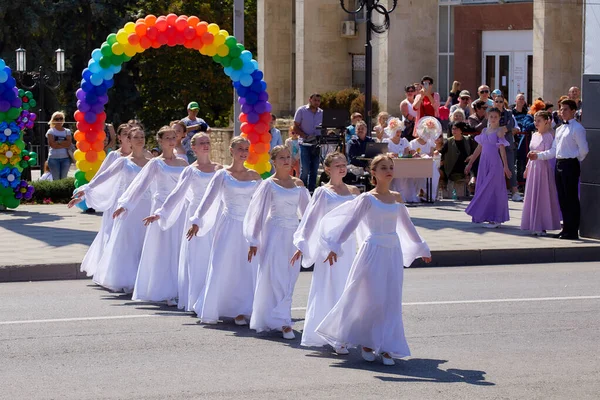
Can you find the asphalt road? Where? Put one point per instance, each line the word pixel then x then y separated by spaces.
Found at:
pixel 503 332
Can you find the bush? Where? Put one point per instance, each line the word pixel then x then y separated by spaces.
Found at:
pixel 57 191
pixel 348 99
pixel 344 98
pixel 358 105
pixel 328 100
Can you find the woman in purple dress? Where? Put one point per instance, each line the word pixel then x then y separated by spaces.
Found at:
pixel 541 211
pixel 490 203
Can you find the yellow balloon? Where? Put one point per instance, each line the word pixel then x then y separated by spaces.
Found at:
pixel 138 48
pixel 263 158
pixel 95 166
pixel 203 50
pixel 129 27
pixel 213 28
pixel 79 155
pixel 129 50
pixel 118 49
pixel 222 50
pixel 122 36
pixel 223 32
pixel 266 167
pixel 89 175
pixel 249 166
pixel 219 40
pixel 211 50
pixel 101 156
pixel 84 166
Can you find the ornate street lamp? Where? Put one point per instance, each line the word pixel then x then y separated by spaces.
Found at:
pixel 371 6
pixel 21 59
pixel 60 60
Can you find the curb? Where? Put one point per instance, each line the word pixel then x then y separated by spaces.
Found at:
pixel 442 258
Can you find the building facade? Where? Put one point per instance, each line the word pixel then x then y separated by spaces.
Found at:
pixel 533 47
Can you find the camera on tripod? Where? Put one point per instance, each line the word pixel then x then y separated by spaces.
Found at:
pixel 333 127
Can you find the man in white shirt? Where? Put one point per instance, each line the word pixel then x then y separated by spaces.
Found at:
pixel 570 148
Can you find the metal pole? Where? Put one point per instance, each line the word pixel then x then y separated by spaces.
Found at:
pixel 238 32
pixel 368 70
pixel 41 117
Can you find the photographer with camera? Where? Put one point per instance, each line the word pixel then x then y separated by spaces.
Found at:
pixel 307 120
pixel 427 102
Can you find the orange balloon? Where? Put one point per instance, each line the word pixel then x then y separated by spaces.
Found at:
pixel 91 156
pixel 98 146
pixel 83 145
pixel 263 158
pixel 193 21
pixel 253 138
pixel 171 19
pixel 201 28
pixel 252 158
pixel 150 20
pixel 265 138
pixel 140 29
pixel 101 136
pixel 260 148
pixel 207 38
pixel 79 136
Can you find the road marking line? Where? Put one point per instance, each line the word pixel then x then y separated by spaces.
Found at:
pixel 517 300
pixel 42 321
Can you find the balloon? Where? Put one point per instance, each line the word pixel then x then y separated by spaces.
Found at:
pixel 242 91
pixel 243 117
pixel 79 175
pixel 248 68
pixel 83 106
pixel 246 56
pixel 263 158
pixel 213 28
pixel 171 19
pixel 246 128
pixel 121 38
pixel 140 29
pixel 246 80
pixel 236 75
pixel 84 146
pixel 256 86
pixel 90 117
pixel 88 176
pixel 265 117
pixel 223 50
pixel 260 107
pixel 78 136
pixel 258 74
pixel 253 138
pixel 181 23
pixel 98 146
pixel 263 96
pixel 265 138
pixel 263 175
pixel 150 20
pixel 79 116
pixel 129 27
pixel 252 117
pixel 252 158
pixel 260 127
pixel 84 166
pixel 133 39
pixel 246 108
pixel 237 63
pixel 251 98
pixel 95 67
pixel 111 39
pixel 91 156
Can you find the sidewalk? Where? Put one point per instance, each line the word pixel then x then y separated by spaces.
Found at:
pixel 43 242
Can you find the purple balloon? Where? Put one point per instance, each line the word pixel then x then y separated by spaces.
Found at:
pixel 15 91
pixel 80 94
pixel 260 107
pixel 263 96
pixel 246 108
pixel 103 99
pixel 90 117
pixel 91 98
pixel 16 103
pixel 242 100
pixel 251 98
pixel 83 106
pixel 4 106
pixel 253 117
pixel 269 107
pixel 97 108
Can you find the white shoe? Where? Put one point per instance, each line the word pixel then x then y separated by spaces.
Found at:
pixel 367 356
pixel 289 335
pixel 341 350
pixel 516 197
pixel 491 225
pixel 539 233
pixel 240 322
pixel 172 302
pixel 387 359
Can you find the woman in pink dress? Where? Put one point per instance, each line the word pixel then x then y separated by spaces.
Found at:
pixel 541 211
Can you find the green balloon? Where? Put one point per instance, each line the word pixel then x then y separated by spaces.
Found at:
pixel 32 103
pixel 226 61
pixel 234 52
pixel 117 60
pixel 21 93
pixel 105 62
pixel 13 113
pixel 241 47
pixel 111 39
pixel 79 175
pixel 20 144
pixel 2 116
pixel 231 41
pixel 106 50
pixel 126 58
pixel 10 201
pixel 237 63
pixel 265 175
pixel 217 58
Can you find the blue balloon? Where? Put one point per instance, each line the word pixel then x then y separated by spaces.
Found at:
pixel 86 86
pixel 228 71
pixel 237 85
pixel 3 76
pixel 255 63
pixel 91 98
pixel 263 85
pixel 11 82
pixel 86 74
pixel 257 75
pixel 251 98
pixel 115 69
pixel 236 75
pixel 96 55
pixel 100 90
pixel 256 88
pixel 107 75
pixel 109 83
pixel 242 91
pixel 246 80
pixel 96 79
pixel 95 67
pixel 2 64
pixel 248 68
pixel 246 56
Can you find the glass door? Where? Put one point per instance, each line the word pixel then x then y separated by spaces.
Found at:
pixel 496 71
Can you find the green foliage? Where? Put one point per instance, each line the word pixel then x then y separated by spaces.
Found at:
pixel 328 100
pixel 59 191
pixel 154 86
pixel 350 99
pixel 345 97
pixel 358 105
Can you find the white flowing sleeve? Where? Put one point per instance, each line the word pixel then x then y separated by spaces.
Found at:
pixel 100 193
pixel 306 237
pixel 257 212
pixel 208 210
pixel 174 204
pixel 140 184
pixel 303 201
pixel 337 226
pixel 412 244
pixel 108 161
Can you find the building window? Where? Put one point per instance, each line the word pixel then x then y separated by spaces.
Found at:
pixel 358 71
pixel 446 47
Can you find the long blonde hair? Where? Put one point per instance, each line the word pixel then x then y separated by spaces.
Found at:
pixel 455 87
pixel 52 123
pixel 376 161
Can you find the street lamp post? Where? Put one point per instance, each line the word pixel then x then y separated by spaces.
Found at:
pixel 41 81
pixel 371 6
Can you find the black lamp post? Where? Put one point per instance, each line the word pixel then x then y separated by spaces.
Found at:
pixel 42 81
pixel 371 6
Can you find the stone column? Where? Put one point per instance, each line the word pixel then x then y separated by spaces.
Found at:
pixel 557 47
pixel 406 52
pixel 275 38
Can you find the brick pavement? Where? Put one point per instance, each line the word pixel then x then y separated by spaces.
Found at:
pixel 49 241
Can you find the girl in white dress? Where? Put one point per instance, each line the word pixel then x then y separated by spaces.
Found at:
pixel 327 283
pixel 90 261
pixel 193 257
pixel 180 129
pixel 231 281
pixel 369 312
pixel 272 218
pixel 117 267
pixel 157 270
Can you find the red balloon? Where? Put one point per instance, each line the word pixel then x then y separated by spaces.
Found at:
pixel 161 23
pixel 91 137
pixel 179 38
pixel 189 33
pixel 133 39
pixel 91 156
pixel 171 31
pixel 243 117
pixel 156 44
pixel 261 127
pixel 245 127
pixel 260 148
pixel 83 126
pixel 171 42
pixel 152 32
pixel 253 138
pixel 145 42
pixel 140 28
pixel 265 117
pixel 101 135
pixel 181 23
pixel 197 43
pixel 100 119
pixel 208 38
pixel 83 145
pixel 161 39
pixel 79 116
pixel 265 138
pixel 98 146
pixel 171 19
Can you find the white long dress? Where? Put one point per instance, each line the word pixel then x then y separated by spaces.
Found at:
pixel 369 312
pixel 193 255
pixel 327 282
pixel 90 261
pixel 117 267
pixel 231 280
pixel 272 218
pixel 157 270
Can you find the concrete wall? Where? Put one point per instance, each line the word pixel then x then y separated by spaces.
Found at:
pixel 557 47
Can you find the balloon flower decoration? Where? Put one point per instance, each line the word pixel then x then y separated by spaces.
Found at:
pixel 171 30
pixel 14 117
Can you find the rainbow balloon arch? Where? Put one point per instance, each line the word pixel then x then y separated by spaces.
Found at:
pixel 171 30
